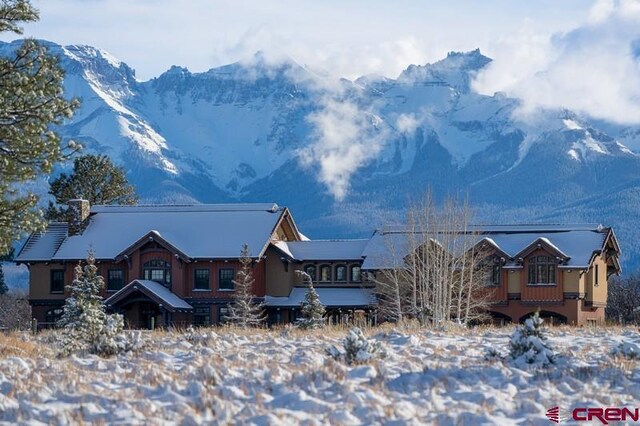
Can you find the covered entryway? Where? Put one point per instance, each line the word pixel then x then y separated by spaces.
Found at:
pixel 351 305
pixel 147 304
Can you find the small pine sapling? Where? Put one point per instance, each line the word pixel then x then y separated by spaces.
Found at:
pixel 529 346
pixel 85 324
pixel 244 311
pixel 357 348
pixel 312 309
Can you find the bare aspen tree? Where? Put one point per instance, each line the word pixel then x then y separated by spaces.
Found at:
pixel 436 268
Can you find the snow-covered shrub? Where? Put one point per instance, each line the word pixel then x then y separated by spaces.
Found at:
pixel 492 354
pixel 86 327
pixel 199 337
pixel 312 310
pixel 627 349
pixel 528 344
pixel 357 348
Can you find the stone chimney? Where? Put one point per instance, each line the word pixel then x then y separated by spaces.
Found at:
pixel 77 215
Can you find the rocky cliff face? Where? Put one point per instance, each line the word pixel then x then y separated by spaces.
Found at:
pixel 344 154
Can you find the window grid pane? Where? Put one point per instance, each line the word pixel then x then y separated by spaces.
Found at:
pixel 355 273
pixel 225 278
pixel 201 280
pixel 341 273
pixel 325 273
pixel 115 279
pixel 57 281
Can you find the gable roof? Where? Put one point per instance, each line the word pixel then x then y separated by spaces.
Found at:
pixel 576 243
pixel 206 231
pixel 154 291
pixel 323 249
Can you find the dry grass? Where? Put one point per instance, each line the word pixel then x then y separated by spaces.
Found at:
pixel 20 344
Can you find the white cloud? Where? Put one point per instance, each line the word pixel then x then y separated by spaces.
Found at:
pixel 345 139
pixel 407 123
pixel 593 69
pixel 346 38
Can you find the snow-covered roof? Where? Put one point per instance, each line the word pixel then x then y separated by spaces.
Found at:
pixel 323 249
pixel 576 242
pixel 41 246
pixel 153 290
pixel 197 231
pixel 329 297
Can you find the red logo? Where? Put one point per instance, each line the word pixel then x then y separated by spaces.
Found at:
pixel 590 414
pixel 553 414
pixel 606 415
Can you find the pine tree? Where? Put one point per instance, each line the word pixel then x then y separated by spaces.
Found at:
pixel 31 101
pixel 528 344
pixel 3 285
pixel 244 312
pixel 86 326
pixel 4 289
pixel 312 309
pixel 94 178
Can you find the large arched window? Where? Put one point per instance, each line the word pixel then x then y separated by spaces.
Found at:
pixel 341 273
pixel 311 270
pixel 542 270
pixel 325 273
pixel 158 271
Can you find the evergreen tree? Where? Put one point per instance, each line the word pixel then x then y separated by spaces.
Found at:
pixel 244 312
pixel 312 309
pixel 94 178
pixel 3 286
pixel 4 289
pixel 31 101
pixel 528 344
pixel 86 326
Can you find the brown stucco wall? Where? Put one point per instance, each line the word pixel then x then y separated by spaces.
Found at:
pixel 279 282
pixel 597 294
pixel 514 281
pixel 40 280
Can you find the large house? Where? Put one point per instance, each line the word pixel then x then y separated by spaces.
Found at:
pixel 176 265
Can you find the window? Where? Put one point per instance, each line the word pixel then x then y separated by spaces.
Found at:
pixel 57 281
pixel 494 275
pixel 542 270
pixel 202 315
pixel 341 273
pixel 115 279
pixel 596 281
pixel 223 312
pixel 225 279
pixel 311 270
pixel 201 279
pixel 158 271
pixel 52 316
pixel 355 274
pixel 325 273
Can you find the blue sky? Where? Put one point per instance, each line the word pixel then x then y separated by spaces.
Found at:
pixel 578 54
pixel 345 38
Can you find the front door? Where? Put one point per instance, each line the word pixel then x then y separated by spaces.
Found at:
pixel 148 315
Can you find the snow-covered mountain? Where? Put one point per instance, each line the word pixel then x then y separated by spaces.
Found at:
pixel 344 155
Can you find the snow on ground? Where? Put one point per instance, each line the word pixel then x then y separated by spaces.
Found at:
pixel 281 377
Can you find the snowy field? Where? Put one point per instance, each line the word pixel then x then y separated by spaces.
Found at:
pixel 285 377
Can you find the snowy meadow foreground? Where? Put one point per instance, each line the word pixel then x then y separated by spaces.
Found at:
pixel 225 376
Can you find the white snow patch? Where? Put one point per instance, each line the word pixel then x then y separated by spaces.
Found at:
pixel 571 125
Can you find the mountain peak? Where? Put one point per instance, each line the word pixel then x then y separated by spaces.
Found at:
pixel 454 70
